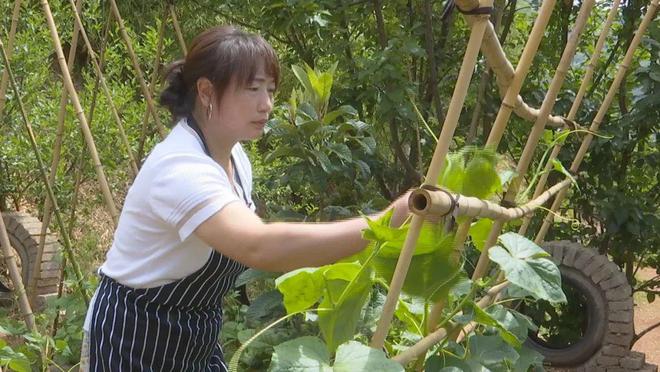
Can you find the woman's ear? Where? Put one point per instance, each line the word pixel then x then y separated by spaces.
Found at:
pixel 205 91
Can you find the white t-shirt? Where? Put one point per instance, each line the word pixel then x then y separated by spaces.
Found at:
pixel 177 189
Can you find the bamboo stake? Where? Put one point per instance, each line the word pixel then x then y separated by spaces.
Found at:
pixel 106 90
pixel 586 81
pixel 138 72
pixel 153 82
pixel 602 111
pixel 440 334
pixel 10 52
pixel 15 273
pixel 537 130
pixel 448 128
pixel 430 203
pixel 42 170
pixel 55 161
pixel 68 83
pixel 177 29
pixel 510 98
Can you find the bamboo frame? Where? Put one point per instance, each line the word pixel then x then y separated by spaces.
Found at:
pixel 586 81
pixel 430 203
pixel 177 29
pixel 138 71
pixel 10 51
pixel 602 111
pixel 524 64
pixel 106 90
pixel 153 82
pixel 448 128
pixel 42 170
pixel 537 130
pixel 55 161
pixel 14 271
pixel 82 120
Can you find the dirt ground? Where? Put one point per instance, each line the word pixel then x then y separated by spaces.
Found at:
pixel 647 314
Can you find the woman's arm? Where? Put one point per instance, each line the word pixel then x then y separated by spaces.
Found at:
pixel 237 232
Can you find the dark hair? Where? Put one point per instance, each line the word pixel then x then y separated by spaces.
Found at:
pixel 219 54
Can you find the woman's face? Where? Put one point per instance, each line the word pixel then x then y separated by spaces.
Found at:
pixel 243 110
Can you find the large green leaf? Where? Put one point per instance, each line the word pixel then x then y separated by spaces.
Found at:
pixel 481 179
pixel 491 352
pixel 353 356
pixel 301 288
pixel 453 173
pixel 526 265
pixel 304 354
pixel 479 232
pixel 482 317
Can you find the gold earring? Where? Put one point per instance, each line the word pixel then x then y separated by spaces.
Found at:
pixel 209 111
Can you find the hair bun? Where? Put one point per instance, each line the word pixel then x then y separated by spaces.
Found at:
pixel 175 97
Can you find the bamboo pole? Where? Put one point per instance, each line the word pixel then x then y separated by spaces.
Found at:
pixel 602 111
pixel 10 51
pixel 68 83
pixel 432 203
pixel 448 128
pixel 42 170
pixel 15 273
pixel 55 161
pixel 153 82
pixel 136 67
pixel 537 130
pixel 177 29
pixel 441 333
pixel 586 81
pixel 522 69
pixel 106 90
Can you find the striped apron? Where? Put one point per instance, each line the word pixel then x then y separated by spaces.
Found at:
pixel 174 327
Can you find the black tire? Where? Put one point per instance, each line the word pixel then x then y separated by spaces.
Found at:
pixel 608 310
pixel 24 232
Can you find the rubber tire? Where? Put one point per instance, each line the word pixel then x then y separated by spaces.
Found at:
pixel 606 290
pixel 24 231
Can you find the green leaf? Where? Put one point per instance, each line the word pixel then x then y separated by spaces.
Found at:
pixel 353 356
pixel 525 265
pixel 453 173
pixel 267 306
pixel 482 317
pixel 301 354
pixel 559 167
pixel 300 288
pixel 491 351
pixel 528 358
pixel 479 232
pixel 301 74
pixel 481 179
pixel 20 365
pixel 251 275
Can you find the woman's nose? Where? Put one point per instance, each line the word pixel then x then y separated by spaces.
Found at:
pixel 266 103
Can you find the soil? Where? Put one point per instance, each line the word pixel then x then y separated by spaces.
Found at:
pixel 646 315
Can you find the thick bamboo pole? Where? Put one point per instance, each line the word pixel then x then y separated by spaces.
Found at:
pixel 602 111
pixel 586 81
pixel 106 90
pixel 524 64
pixel 153 81
pixel 177 29
pixel 10 50
pixel 68 83
pixel 432 203
pixel 537 130
pixel 136 67
pixel 15 273
pixel 55 161
pixel 42 170
pixel 448 128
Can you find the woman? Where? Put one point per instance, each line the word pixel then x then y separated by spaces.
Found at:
pixel 188 227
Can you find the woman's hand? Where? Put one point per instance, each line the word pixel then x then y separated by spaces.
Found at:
pixel 401 209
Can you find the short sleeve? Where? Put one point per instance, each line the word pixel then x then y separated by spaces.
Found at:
pixel 188 189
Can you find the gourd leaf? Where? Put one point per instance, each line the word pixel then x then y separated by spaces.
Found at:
pixel 453 173
pixel 559 167
pixel 267 306
pixel 528 358
pixel 513 321
pixel 300 288
pixel 304 354
pixel 479 232
pixel 490 352
pixel 482 317
pixel 353 356
pixel 481 179
pixel 526 265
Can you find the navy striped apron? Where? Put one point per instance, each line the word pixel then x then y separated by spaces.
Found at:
pixel 174 327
